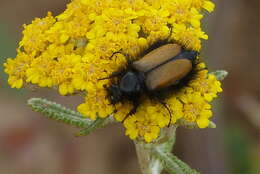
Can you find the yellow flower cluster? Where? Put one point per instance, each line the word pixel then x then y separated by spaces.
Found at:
pixel 73 50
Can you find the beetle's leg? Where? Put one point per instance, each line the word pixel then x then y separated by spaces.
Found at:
pixel 128 59
pixel 159 97
pixel 133 110
pixel 168 109
pixel 114 74
pixel 170 26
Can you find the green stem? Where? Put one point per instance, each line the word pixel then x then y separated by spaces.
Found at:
pixel 156 156
pixel 149 164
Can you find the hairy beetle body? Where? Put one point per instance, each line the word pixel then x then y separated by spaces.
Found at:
pixel 158 70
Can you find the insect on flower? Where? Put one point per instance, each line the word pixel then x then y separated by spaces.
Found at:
pixel 158 72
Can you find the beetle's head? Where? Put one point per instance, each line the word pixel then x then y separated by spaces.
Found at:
pixel 127 87
pixel 114 94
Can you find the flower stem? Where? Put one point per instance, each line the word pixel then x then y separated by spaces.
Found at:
pixel 149 164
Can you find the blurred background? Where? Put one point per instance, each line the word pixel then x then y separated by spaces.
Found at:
pixel 30 143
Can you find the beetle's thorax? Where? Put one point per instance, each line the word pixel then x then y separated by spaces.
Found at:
pixel 132 83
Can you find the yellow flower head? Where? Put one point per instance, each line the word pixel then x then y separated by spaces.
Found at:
pixel 72 51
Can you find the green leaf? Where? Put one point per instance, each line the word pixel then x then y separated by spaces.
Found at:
pixel 98 123
pixel 58 112
pixel 212 125
pixel 220 74
pixel 172 164
pixel 192 125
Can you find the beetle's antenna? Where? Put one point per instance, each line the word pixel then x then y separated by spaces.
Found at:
pixel 127 57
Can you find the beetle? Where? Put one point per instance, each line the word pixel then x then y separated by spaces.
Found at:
pixel 161 69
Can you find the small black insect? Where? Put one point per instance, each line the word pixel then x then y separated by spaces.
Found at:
pixel 161 69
